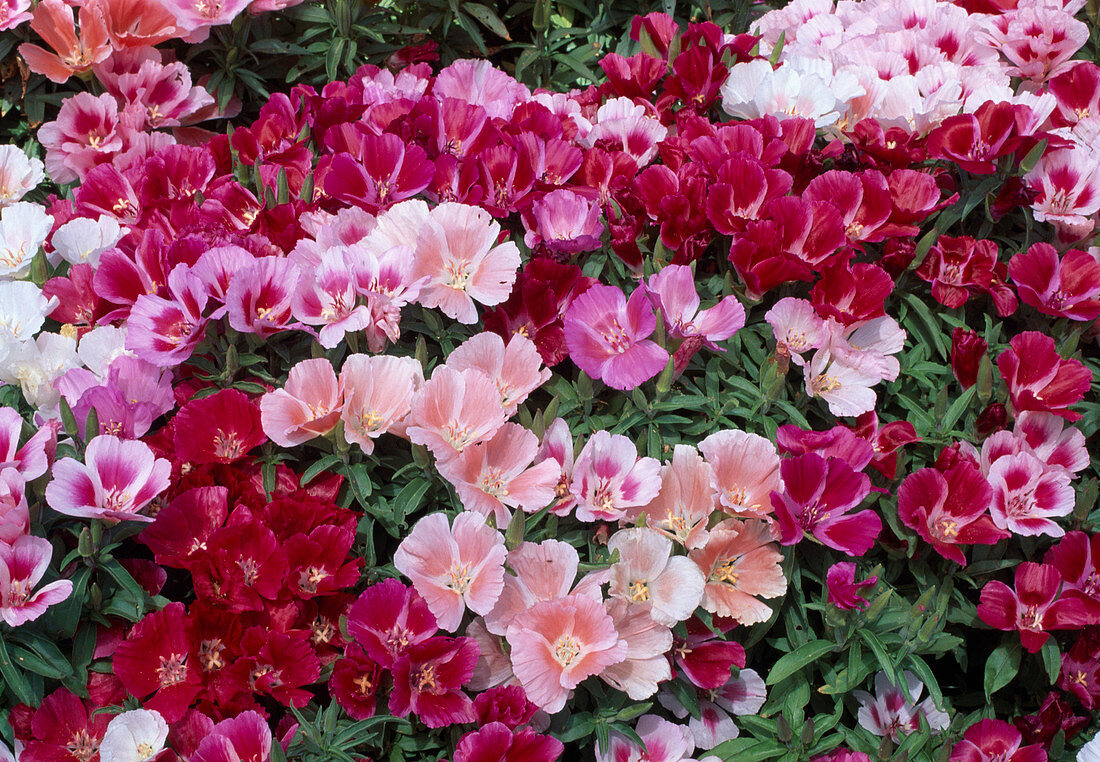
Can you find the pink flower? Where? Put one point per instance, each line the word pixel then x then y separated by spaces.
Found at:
pixel 606 335
pixel 495 475
pixel 673 291
pixel 1066 183
pixel 816 497
pixel 1026 496
pixel 55 23
pixel 1068 287
pixel 117 479
pixel 12 14
pixel 479 82
pixel 1077 558
pixel 797 327
pixel 455 409
pixel 163 331
pixel 895 710
pixel 327 296
pixel 1034 608
pixel 843 588
pixel 558 643
pixel 244 738
pixel 647 643
pixel 308 406
pixel 663 741
pixel 387 618
pixel 378 395
pixel 515 366
pixel 86 133
pixel 495 742
pixel 740 563
pixel 995 741
pixel 1039 379
pixel 540 572
pixel 456 252
pixel 196 16
pixel 31 460
pixel 563 223
pixel 427 681
pixel 745 470
pixel 15 516
pixel 454 568
pixel 609 478
pixel 22 564
pixel 686 500
pixel 646 572
pixel 260 296
pixel 557 445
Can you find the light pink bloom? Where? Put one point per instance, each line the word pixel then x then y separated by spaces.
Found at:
pixel 24 227
pixel 540 572
pixel 563 223
pixel 895 710
pixel 797 327
pixel 1067 187
pixel 493 476
pixel 628 127
pixel 260 296
pixel 607 336
pixel 85 133
pixel 163 331
pixel 515 367
pixel 19 173
pixel 308 406
pixel 558 643
pixel 745 470
pixel 645 664
pixel 673 291
pixel 1044 435
pixel 1026 496
pixel 1041 41
pixel 741 695
pixel 454 568
pixel 845 387
pixel 22 564
pixel 116 480
pixel 646 572
pixel 455 409
pixel 15 517
pixel 557 445
pixel 493 667
pixel 664 742
pixel 12 14
pixel 327 297
pixel 609 478
pixel 478 82
pixel 197 16
pixel 740 562
pixel 686 500
pixel 457 252
pixel 31 460
pixel 378 395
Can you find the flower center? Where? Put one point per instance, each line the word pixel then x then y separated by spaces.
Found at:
pixel 458 578
pixel 639 591
pixel 566 650
pixel 172 670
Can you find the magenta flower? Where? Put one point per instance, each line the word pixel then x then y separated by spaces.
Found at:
pixel 163 331
pixel 816 497
pixel 1027 496
pixel 563 223
pixel 427 680
pixel 673 290
pixel 606 335
pixel 995 741
pixel 22 564
pixel 387 619
pixel 116 480
pixel 1034 608
pixel 844 591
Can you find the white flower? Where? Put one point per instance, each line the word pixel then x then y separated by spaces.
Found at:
pixel 23 229
pixel 1090 752
pixel 18 174
pixel 101 346
pixel 135 736
pixel 83 240
pixel 36 366
pixel 23 308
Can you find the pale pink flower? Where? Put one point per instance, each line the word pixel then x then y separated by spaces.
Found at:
pixel 1041 41
pixel 327 296
pixel 515 367
pixel 308 406
pixel 455 409
pixel 647 643
pixel 478 82
pixel 458 253
pixel 558 643
pixel 492 476
pixel 894 710
pixel 22 564
pixel 378 395
pixel 540 572
pixel 454 568
pixel 557 445
pixel 845 387
pixel 609 478
pixel 646 572
pixel 1027 496
pixel 15 516
pixel 85 133
pixel 31 460
pixel 663 741
pixel 24 227
pixel 741 695
pixel 19 173
pixel 741 563
pixel 134 736
pixel 260 296
pixel 116 480
pixel 627 126
pixel 745 470
pixel 1051 440
pixel 673 290
pixel 197 16
pixel 1066 183
pixel 869 345
pixel 686 500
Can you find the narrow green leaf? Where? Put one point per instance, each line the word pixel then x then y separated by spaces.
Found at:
pixel 800 657
pixel 1001 667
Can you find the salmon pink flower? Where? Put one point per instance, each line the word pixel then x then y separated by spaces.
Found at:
pixel 686 500
pixel 540 572
pixel 609 478
pixel 454 567
pixel 22 564
pixel 815 499
pixel 54 21
pixel 740 563
pixel 455 409
pixel 1068 287
pixel 647 643
pixel 378 395
pixel 646 572
pixel 389 617
pixel 558 643
pixel 995 741
pixel 427 681
pixel 117 479
pixel 514 366
pixel 843 588
pixel 457 252
pixel 745 470
pixel 12 14
pixel 607 336
pixel 159 658
pixel 673 291
pixel 1026 495
pixel 1034 608
pixel 221 428
pixel 493 476
pixel 1039 379
pixel 894 710
pixel 308 406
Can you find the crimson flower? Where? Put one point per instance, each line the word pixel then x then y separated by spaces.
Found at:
pixel 507 704
pixel 388 619
pixel 1077 558
pixel 62 729
pixel 1080 674
pixel 1039 379
pixel 704 658
pixel 1033 608
pixel 354 683
pixel 278 665
pixel 427 680
pixel 995 741
pixel 843 588
pixel 496 743
pixel 159 664
pixel 220 428
pixel 967 350
pixel 816 498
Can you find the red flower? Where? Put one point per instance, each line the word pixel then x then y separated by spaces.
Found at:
pixel 278 665
pixel 956 267
pixel 354 683
pixel 851 293
pixel 885 441
pixel 1068 287
pixel 843 588
pixel 1033 608
pixel 220 428
pixel 507 704
pixel 427 680
pixel 388 619
pixel 1077 558
pixel 62 729
pixel 704 658
pixel 159 658
pixel 182 527
pixel 816 497
pixel 496 743
pixel 317 562
pixel 948 508
pixel 995 741
pixel 1038 379
pixel 244 565
pixel 1054 715
pixel 967 350
pixel 975 141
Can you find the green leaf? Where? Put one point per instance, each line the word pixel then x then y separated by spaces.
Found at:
pixel 318 468
pixel 1001 667
pixel 1052 659
pixel 488 18
pixel 800 657
pixel 32 662
pixel 882 655
pixel 14 679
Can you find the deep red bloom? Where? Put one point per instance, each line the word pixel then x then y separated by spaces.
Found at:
pixel 851 292
pixel 885 441
pixel 967 351
pixel 995 741
pixel 318 564
pixel 1033 608
pixel 949 508
pixel 744 186
pixel 220 428
pixel 843 589
pixel 1068 287
pixel 1080 673
pixel 1077 558
pixel 62 729
pixel 277 665
pixel 506 704
pixel 975 141
pixel 956 267
pixel 159 658
pixel 705 659
pixel 655 31
pixel 182 527
pixel 633 77
pixel 244 565
pixel 389 618
pixel 354 683
pixel 817 495
pixel 427 681
pixel 1038 379
pixel 496 743
pixel 1055 714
